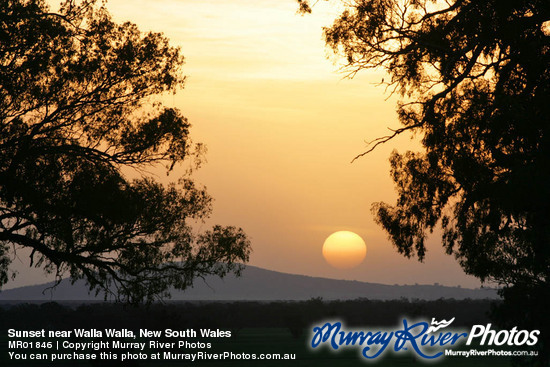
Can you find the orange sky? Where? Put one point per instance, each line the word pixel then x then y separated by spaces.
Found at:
pixel 282 124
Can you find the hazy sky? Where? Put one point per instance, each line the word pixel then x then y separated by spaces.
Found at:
pixel 282 124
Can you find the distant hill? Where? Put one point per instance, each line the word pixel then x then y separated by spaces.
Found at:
pixel 262 285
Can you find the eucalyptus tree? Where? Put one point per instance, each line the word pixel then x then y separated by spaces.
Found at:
pixel 79 116
pixel 474 81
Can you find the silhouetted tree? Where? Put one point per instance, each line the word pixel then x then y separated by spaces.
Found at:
pixel 474 76
pixel 77 117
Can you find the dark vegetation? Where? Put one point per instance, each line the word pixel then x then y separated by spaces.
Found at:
pixel 256 327
pixel 237 315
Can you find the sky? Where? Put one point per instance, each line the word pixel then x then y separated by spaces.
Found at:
pixel 282 123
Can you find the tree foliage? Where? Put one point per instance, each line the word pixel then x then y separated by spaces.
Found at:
pixel 77 111
pixel 474 80
pixel 474 77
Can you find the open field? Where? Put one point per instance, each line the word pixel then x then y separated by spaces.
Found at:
pixel 280 341
pixel 257 329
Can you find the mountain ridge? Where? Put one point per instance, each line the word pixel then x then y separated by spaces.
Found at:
pixel 258 284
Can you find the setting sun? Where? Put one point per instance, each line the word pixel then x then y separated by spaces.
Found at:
pixel 344 250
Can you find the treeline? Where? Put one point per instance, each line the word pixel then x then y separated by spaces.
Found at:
pixel 238 315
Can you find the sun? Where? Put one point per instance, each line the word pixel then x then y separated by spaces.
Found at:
pixel 344 250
